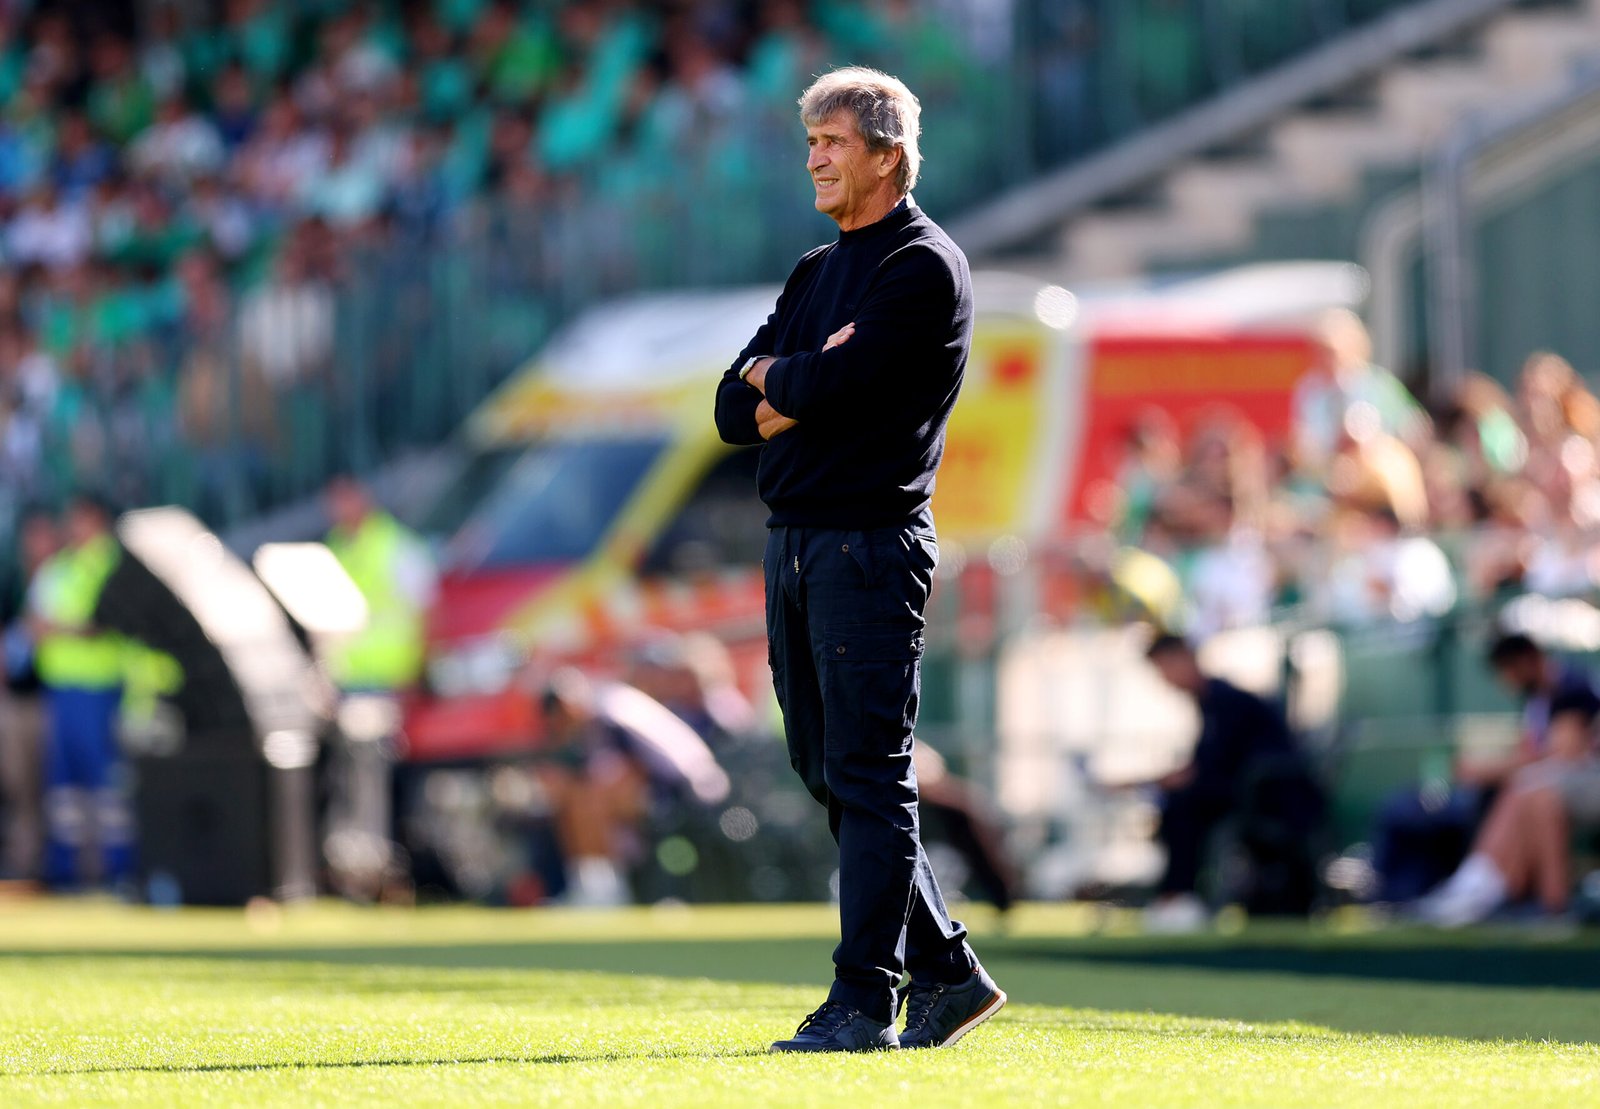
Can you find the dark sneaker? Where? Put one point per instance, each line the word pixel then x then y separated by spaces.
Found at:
pixel 837 1027
pixel 938 1015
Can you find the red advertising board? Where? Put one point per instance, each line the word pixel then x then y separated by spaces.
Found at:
pixel 1192 378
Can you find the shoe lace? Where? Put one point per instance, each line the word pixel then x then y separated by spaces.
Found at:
pixel 920 1004
pixel 828 1018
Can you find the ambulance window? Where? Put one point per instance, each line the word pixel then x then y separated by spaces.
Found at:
pixel 466 490
pixel 723 523
pixel 554 503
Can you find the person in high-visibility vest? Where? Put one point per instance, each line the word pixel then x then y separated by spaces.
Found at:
pixel 81 667
pixel 391 567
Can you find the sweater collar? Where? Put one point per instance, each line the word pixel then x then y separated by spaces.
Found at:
pixel 898 217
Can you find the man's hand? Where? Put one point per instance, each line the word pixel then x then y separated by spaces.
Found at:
pixel 769 421
pixel 1182 778
pixel 1569 738
pixel 757 377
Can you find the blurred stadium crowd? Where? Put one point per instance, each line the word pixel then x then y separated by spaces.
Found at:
pixel 1378 510
pixel 205 207
pixel 181 202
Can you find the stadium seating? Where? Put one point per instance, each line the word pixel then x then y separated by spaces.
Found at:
pixel 1325 158
pixel 458 177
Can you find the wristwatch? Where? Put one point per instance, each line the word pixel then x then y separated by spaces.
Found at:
pixel 749 364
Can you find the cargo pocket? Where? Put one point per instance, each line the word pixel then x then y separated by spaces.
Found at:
pixel 923 546
pixel 858 549
pixel 872 683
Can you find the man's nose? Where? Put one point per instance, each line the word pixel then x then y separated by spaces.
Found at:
pixel 816 160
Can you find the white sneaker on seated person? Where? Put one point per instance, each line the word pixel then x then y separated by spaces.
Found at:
pixel 1176 914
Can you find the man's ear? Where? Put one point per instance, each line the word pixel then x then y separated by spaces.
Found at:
pixel 891 161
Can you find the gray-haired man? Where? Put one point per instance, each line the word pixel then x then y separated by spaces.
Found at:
pixel 850 384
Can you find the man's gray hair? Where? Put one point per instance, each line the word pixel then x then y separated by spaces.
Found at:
pixel 885 111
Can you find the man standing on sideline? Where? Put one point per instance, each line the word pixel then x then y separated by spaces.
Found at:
pixel 850 383
pixel 391 568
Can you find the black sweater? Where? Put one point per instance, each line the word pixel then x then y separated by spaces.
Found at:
pixel 1236 729
pixel 872 412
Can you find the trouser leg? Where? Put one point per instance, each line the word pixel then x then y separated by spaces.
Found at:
pixel 794 673
pixel 1418 845
pixel 110 811
pixel 851 603
pixel 66 802
pixel 1187 820
pixel 936 946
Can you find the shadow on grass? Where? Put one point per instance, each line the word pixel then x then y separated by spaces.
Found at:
pixel 798 962
pixel 1461 989
pixel 1520 967
pixel 1471 988
pixel 540 1059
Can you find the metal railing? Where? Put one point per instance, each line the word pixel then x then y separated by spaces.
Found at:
pixel 1290 54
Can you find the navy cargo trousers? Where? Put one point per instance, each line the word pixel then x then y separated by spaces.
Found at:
pixel 844 637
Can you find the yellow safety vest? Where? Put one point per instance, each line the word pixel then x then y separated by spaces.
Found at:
pixel 68 588
pixel 387 654
pixel 147 676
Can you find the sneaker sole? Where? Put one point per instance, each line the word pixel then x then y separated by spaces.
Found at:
pixel 777 1050
pixel 993 1006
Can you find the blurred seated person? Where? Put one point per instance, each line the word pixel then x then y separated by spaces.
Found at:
pixel 1552 785
pixel 611 752
pixel 1347 380
pixel 1383 573
pixel 693 675
pixel 1247 768
pixel 1424 832
pixel 955 813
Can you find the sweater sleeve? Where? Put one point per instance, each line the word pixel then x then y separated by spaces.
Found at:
pixel 904 320
pixel 737 400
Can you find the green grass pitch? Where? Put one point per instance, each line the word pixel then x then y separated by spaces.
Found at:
pixel 675 1007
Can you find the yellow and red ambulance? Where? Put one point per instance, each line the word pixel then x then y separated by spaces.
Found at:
pixel 595 502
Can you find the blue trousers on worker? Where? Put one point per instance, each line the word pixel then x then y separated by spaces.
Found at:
pixel 845 639
pixel 85 800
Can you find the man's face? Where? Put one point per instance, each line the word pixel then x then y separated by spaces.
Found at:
pixel 1520 676
pixel 1180 670
pixel 846 175
pixel 84 523
pixel 347 505
pixel 559 721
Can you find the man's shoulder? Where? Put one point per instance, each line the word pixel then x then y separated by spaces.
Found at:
pixel 921 230
pixel 1576 690
pixel 807 263
pixel 923 242
pixel 1226 692
pixel 813 256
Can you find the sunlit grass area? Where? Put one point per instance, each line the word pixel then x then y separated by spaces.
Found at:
pixel 332 1004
